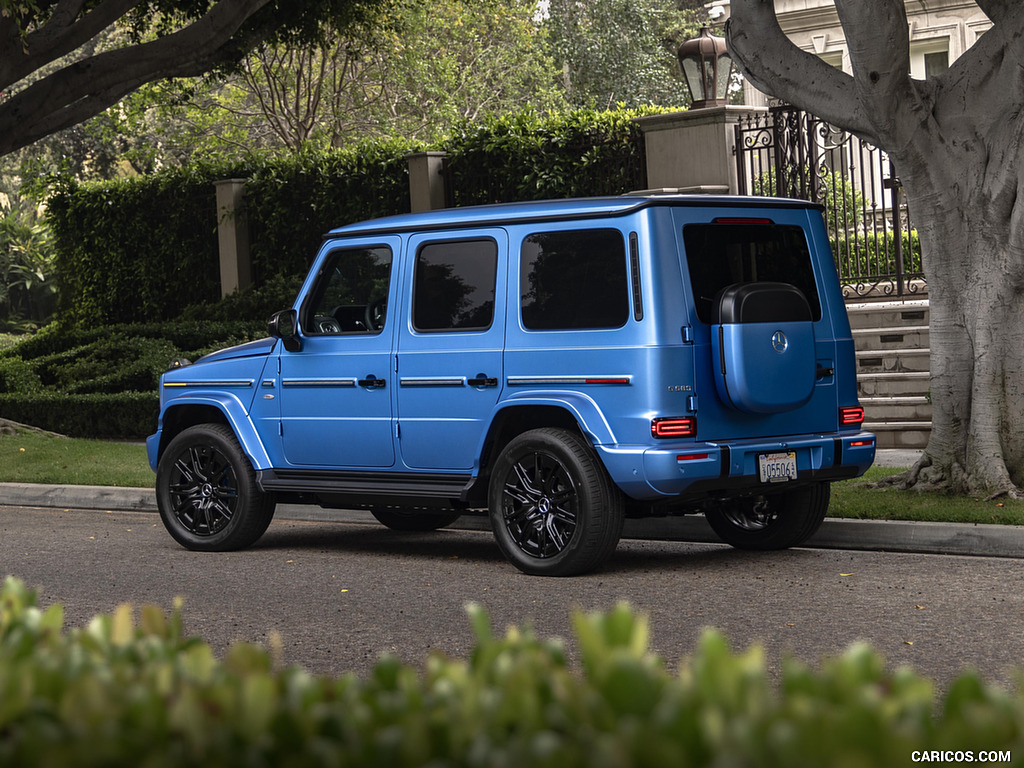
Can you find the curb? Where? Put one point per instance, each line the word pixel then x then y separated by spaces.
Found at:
pixel 869 535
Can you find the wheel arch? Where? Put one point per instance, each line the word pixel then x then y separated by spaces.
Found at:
pixel 179 416
pixel 515 417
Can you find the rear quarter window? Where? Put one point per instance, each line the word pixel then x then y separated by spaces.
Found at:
pixel 574 280
pixel 721 254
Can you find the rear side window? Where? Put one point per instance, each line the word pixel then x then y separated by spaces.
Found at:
pixel 721 254
pixel 574 280
pixel 454 286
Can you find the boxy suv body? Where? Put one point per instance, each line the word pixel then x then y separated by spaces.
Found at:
pixel 561 365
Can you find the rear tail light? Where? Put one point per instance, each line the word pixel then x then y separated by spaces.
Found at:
pixel 851 416
pixel 670 427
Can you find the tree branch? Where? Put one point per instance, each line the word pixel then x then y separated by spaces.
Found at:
pixel 776 66
pixel 62 33
pixel 85 88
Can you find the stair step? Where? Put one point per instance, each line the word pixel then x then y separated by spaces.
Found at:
pixel 893 360
pixel 899 337
pixel 893 384
pixel 897 409
pixel 873 314
pixel 900 434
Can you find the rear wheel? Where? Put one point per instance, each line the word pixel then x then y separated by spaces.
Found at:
pixel 775 521
pixel 413 520
pixel 207 494
pixel 554 510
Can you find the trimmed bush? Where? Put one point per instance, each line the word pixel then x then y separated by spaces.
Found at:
pixel 119 415
pixel 129 692
pixel 103 382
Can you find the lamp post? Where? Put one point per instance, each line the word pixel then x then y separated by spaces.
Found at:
pixel 707 68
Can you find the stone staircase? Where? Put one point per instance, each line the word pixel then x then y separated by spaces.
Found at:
pixel 891 339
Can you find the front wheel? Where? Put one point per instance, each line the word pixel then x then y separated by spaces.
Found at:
pixel 207 494
pixel 554 510
pixel 775 521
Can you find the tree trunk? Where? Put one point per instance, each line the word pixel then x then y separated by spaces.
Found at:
pixel 966 214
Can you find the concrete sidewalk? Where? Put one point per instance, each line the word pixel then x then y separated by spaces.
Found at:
pixel 930 538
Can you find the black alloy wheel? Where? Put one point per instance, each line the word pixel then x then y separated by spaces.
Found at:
pixel 207 492
pixel 554 510
pixel 775 521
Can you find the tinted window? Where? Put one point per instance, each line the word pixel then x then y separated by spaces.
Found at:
pixel 574 280
pixel 351 293
pixel 454 286
pixel 719 255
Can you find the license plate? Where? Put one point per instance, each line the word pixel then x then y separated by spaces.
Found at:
pixel 777 467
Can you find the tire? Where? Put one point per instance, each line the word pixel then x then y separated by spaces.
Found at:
pixel 405 520
pixel 554 510
pixel 207 494
pixel 777 521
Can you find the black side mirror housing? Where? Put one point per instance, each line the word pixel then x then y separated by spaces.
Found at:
pixel 284 325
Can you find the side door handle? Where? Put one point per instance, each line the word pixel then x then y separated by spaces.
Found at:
pixel 373 381
pixel 482 380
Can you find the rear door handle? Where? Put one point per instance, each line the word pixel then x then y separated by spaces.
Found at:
pixel 482 380
pixel 373 381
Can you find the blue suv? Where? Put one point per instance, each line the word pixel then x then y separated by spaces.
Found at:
pixel 558 366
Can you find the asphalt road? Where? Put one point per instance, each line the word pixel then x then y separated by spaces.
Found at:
pixel 340 594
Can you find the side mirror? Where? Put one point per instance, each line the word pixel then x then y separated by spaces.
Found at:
pixel 284 325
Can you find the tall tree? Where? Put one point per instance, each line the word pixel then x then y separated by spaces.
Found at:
pixel 956 142
pixel 170 38
pixel 620 51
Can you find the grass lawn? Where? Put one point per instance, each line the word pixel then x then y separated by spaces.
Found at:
pixel 33 458
pixel 855 499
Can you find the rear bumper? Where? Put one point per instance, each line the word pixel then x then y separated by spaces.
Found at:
pixel 717 469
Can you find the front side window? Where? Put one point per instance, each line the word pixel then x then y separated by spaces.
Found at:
pixel 454 286
pixel 722 254
pixel 351 294
pixel 574 280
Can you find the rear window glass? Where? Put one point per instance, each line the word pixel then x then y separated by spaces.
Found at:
pixel 574 280
pixel 719 255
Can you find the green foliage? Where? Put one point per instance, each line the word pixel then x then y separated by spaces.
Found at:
pixel 529 157
pixel 102 382
pixel 131 249
pixel 130 689
pixel 620 51
pixel 27 288
pixel 116 415
pixel 866 255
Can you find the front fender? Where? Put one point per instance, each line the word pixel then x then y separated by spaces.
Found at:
pixel 180 413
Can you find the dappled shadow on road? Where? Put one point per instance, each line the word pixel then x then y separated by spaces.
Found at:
pixel 376 539
pixel 632 555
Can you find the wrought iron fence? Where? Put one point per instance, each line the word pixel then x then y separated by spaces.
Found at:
pixel 790 153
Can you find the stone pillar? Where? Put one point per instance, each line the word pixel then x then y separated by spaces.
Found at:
pixel 694 151
pixel 426 181
pixel 233 236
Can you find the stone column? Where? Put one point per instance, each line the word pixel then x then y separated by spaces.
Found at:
pixel 694 151
pixel 233 236
pixel 426 181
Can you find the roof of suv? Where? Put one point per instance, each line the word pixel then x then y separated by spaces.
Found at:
pixel 577 208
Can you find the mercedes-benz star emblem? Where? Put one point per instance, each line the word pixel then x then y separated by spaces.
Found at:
pixel 779 342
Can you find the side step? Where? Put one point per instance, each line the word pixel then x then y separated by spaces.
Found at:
pixel 361 484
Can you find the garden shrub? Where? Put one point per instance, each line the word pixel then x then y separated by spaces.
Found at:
pixel 130 691
pixel 103 382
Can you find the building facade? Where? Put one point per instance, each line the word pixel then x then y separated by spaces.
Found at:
pixel 940 32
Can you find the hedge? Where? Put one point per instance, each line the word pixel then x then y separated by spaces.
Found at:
pixel 137 250
pixel 130 691
pixel 103 382
pixel 874 254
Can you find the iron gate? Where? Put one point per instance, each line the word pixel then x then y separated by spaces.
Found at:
pixel 789 153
